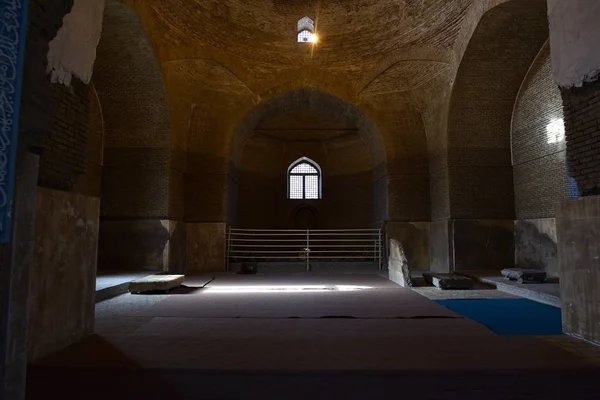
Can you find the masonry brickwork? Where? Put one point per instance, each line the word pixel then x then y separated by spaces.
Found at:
pixel 45 19
pixel 136 161
pixel 479 123
pixel 582 124
pixel 64 149
pixel 538 145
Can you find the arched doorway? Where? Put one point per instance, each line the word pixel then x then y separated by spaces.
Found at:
pixel 305 217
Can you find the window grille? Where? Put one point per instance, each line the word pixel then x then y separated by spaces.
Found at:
pixel 304 180
pixel 306 30
pixel 306 37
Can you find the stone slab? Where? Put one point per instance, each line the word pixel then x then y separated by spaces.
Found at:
pixel 454 282
pixel 524 275
pixel 156 283
pixel 448 281
pixel 545 293
pixel 414 237
pixel 398 265
pixel 66 231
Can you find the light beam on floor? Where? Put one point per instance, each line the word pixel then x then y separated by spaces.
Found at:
pixel 285 289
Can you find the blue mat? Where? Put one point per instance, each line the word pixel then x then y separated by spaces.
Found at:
pixel 510 316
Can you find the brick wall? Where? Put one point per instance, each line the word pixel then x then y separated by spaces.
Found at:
pixel 137 155
pixel 90 182
pixel 347 182
pixel 64 150
pixel 45 18
pixel 539 167
pixel 582 125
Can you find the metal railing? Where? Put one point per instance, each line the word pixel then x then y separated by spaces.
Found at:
pixel 304 245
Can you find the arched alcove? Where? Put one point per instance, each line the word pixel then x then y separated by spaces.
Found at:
pixel 333 133
pixel 479 171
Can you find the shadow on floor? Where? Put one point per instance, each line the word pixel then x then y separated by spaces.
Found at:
pixel 113 384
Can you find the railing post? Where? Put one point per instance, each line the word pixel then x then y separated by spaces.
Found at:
pixel 228 247
pixel 381 252
pixel 375 248
pixel 307 251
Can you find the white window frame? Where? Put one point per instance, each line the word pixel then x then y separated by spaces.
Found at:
pixel 306 24
pixel 319 174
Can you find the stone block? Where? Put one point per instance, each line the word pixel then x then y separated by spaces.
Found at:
pixel 578 229
pixel 414 237
pixel 153 283
pixel 398 265
pixel 524 275
pixel 450 281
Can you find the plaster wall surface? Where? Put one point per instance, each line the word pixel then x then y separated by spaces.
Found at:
pixel 134 245
pixel 63 278
pixel 574 30
pixel 205 250
pixel 73 50
pixel 483 244
pixel 441 246
pixel 578 231
pixel 536 244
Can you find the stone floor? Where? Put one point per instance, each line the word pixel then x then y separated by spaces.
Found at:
pixel 303 336
pixel 575 346
pixel 106 279
pixel 113 283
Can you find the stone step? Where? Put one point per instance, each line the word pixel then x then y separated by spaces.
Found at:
pixel 156 283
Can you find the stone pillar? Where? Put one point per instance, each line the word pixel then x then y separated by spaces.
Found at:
pixel 206 215
pixel 16 260
pixel 142 180
pixel 578 225
pixel 574 37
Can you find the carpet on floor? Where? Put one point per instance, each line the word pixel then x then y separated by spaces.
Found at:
pixel 509 317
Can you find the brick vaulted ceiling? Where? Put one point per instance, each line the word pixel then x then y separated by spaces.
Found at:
pixel 395 59
pixel 369 46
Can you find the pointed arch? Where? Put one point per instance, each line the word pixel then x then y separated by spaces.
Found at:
pixel 306 30
pixel 304 180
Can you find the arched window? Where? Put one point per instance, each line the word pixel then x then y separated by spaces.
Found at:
pixel 304 180
pixel 306 31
